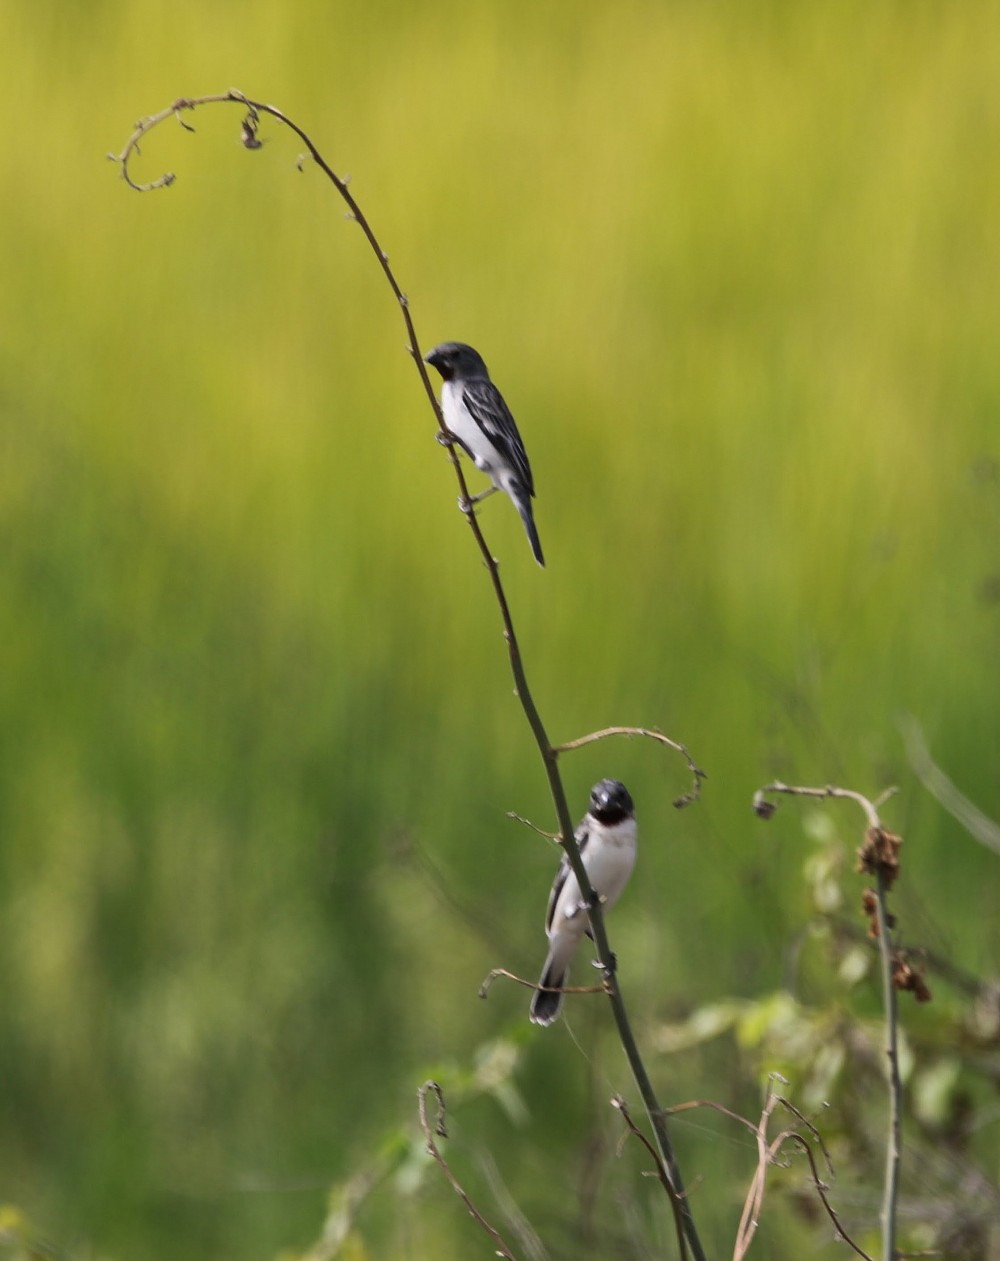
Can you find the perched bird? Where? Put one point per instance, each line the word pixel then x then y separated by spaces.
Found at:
pixel 480 422
pixel 607 839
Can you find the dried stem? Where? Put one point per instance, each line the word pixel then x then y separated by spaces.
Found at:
pixel 884 870
pixel 253 111
pixel 768 1151
pixel 792 1136
pixel 752 1205
pixel 894 1140
pixel 661 1172
pixel 650 733
pixel 766 808
pixel 487 985
pixel 519 818
pixel 439 1131
pixel 548 753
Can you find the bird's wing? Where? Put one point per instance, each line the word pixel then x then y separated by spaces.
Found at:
pixel 492 415
pixel 565 871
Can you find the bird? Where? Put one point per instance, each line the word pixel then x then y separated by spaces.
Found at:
pixel 479 420
pixel 607 840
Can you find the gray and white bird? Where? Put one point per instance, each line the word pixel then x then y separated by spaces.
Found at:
pixel 607 840
pixel 480 422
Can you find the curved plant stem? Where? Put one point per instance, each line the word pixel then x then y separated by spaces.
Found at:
pixel 877 856
pixel 547 752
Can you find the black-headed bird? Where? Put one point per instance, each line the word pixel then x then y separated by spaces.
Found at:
pixel 607 840
pixel 480 422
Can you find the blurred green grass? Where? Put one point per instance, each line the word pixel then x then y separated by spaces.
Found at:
pixel 736 270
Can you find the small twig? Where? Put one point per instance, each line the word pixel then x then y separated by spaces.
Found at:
pixel 885 795
pixel 792 1136
pixel 765 808
pixel 814 1132
pixel 549 836
pixel 487 985
pixel 439 1131
pixel 691 1104
pixel 752 1205
pixel 878 856
pixel 650 733
pixel 661 1172
pixel 252 118
pixel 768 1152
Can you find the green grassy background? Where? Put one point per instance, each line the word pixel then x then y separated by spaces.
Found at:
pixel 737 270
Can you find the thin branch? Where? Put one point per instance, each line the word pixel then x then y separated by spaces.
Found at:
pixel 765 808
pixel 768 1152
pixel 254 110
pixel 752 1205
pixel 661 1172
pixel 894 1141
pixel 518 818
pixel 691 1104
pixel 793 1136
pixel 650 733
pixel 440 1132
pixel 547 752
pixel 487 985
pixel 878 856
pixel 814 1132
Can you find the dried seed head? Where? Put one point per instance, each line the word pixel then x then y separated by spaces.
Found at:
pixel 906 977
pixel 879 854
pixel 869 905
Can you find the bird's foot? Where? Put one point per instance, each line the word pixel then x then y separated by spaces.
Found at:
pixel 467 504
pixel 609 968
pixel 445 437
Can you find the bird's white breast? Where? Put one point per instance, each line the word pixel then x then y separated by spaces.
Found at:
pixel 609 857
pixel 462 425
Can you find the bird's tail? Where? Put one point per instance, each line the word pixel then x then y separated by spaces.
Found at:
pixel 547 1003
pixel 522 502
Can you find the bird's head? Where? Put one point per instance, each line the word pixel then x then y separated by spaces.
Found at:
pixel 456 360
pixel 611 802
